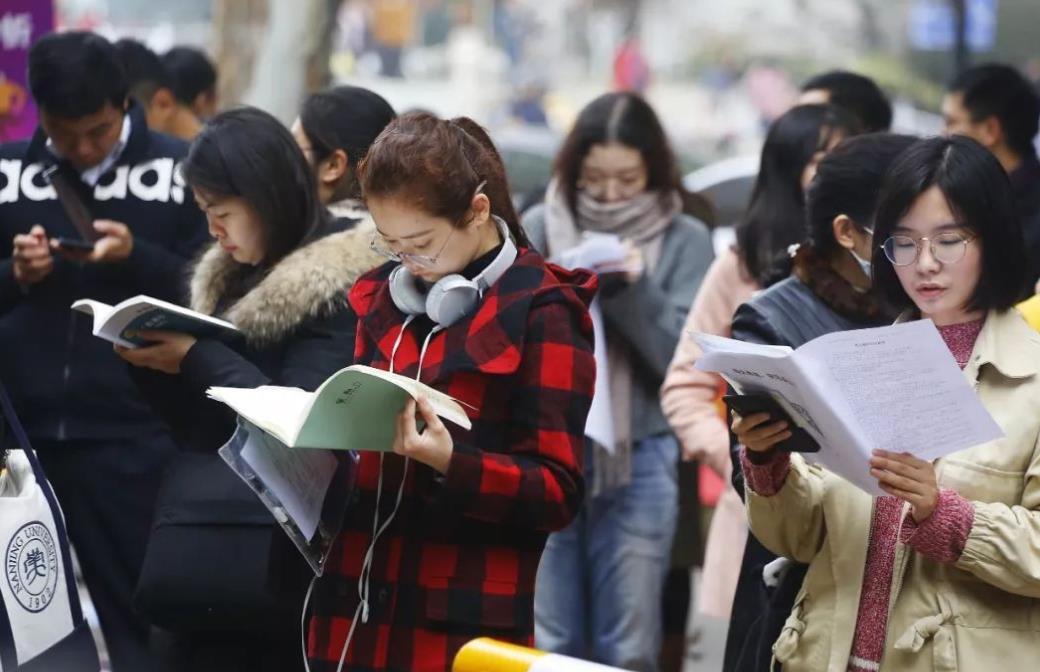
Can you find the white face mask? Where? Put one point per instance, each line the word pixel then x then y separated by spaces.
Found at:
pixel 864 264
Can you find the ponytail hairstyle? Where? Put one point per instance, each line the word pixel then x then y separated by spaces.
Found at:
pixel 437 166
pixel 347 118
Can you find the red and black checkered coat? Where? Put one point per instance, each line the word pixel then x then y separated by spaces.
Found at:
pixel 459 559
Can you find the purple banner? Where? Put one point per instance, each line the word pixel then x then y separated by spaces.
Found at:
pixel 22 22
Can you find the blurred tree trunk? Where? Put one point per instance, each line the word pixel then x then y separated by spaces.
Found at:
pixel 239 27
pixel 271 53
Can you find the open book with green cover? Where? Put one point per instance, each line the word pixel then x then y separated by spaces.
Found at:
pixel 355 409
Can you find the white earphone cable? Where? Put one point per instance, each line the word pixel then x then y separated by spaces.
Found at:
pixel 364 579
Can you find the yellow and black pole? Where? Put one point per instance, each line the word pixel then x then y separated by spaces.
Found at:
pixel 489 655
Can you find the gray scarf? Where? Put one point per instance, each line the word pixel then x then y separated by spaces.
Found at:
pixel 642 220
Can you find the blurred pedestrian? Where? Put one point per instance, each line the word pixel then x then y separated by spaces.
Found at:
pixel 194 80
pixel 600 581
pixel 152 87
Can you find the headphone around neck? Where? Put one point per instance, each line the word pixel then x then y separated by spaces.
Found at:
pixel 453 296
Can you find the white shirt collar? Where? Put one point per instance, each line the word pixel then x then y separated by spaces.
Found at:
pixel 92 175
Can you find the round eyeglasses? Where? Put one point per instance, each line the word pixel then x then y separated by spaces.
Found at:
pixel 422 260
pixel 946 248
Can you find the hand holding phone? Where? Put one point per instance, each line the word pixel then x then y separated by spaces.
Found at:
pixel 74 244
pixel 32 257
pixel 747 405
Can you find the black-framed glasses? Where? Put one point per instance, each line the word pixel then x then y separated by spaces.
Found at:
pixel 946 248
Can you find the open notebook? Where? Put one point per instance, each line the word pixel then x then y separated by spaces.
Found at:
pixel 355 409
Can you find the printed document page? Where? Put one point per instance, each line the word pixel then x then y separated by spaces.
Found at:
pixel 897 388
pixel 902 387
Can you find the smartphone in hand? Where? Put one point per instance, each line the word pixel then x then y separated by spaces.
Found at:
pixel 745 405
pixel 75 244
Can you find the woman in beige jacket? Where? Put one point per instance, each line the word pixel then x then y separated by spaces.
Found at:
pixel 944 572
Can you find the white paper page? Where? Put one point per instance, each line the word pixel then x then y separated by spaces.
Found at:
pixel 599 426
pixel 751 367
pixel 904 389
pixel 136 304
pixel 116 322
pixel 99 311
pixel 298 478
pixel 710 343
pixel 278 410
pixel 599 252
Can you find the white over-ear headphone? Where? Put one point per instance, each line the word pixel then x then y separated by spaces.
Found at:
pixel 453 296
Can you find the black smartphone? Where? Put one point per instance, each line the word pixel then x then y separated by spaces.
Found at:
pixel 76 244
pixel 76 209
pixel 750 404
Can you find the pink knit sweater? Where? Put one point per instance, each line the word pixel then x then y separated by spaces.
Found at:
pixel 940 537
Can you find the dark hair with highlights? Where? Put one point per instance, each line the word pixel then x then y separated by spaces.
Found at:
pixel 437 165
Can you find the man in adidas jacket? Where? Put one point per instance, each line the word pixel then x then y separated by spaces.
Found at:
pixel 101 447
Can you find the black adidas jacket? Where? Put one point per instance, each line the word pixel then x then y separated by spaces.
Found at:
pixel 66 383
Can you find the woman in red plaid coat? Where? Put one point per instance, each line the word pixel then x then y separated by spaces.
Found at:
pixel 460 517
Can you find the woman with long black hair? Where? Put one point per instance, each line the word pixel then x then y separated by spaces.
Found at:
pixel 279 269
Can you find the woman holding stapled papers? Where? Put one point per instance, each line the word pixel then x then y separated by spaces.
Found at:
pixel 943 573
pixel 443 541
pixel 828 290
pixel 279 270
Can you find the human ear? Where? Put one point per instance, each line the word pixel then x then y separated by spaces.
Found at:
pixel 844 227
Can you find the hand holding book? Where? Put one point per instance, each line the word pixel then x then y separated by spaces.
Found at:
pixel 433 446
pixel 357 408
pixel 911 479
pixel 760 432
pixel 165 353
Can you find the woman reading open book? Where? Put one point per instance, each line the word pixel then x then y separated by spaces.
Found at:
pixel 460 516
pixel 279 270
